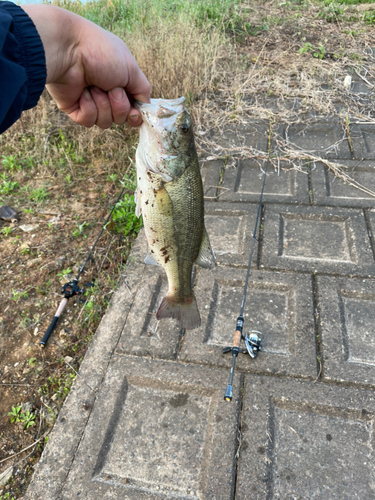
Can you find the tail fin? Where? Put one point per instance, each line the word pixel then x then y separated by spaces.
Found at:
pixel 185 312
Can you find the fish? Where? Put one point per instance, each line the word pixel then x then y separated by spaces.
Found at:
pixel 169 196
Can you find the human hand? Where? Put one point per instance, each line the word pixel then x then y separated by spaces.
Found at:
pixel 90 72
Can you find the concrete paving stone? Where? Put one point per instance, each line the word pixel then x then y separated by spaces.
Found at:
pixel 316 239
pixel 363 141
pixel 210 173
pixel 371 218
pixel 244 183
pixel 250 134
pixel 330 190
pixel 279 305
pixel 143 334
pixel 347 331
pixel 325 138
pixel 305 441
pixel 230 228
pixel 157 429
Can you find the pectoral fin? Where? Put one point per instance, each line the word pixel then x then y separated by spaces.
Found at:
pixel 150 259
pixel 206 256
pixel 137 199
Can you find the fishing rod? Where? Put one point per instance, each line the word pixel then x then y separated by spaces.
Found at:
pixel 72 288
pixel 252 340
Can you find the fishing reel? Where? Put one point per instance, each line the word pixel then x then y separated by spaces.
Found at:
pixel 253 343
pixel 71 289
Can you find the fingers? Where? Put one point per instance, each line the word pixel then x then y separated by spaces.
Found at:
pixel 100 108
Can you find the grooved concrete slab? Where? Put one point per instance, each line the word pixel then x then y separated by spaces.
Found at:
pixel 331 190
pixel 325 138
pixel 363 141
pixel 278 304
pixel 252 135
pixel 230 228
pixel 371 218
pixel 157 430
pixel 210 173
pixel 244 183
pixel 303 440
pixel 315 239
pixel 347 328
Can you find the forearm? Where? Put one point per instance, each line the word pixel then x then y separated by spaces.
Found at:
pixel 59 31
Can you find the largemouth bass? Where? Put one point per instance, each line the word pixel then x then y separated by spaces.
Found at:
pixel 170 198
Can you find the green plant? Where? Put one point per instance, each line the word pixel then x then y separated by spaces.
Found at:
pixel 124 216
pixel 319 52
pixel 6 231
pixel 18 295
pixel 28 419
pixel 15 414
pixel 8 186
pixel 79 230
pixel 6 496
pixel 32 361
pixel 65 272
pixel 10 163
pixel 39 194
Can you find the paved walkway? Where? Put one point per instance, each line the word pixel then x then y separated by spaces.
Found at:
pixel 146 417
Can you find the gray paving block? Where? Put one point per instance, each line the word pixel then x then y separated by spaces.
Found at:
pixel 210 173
pixel 346 322
pixel 317 239
pixel 304 440
pixel 325 138
pixel 280 305
pixel 252 134
pixel 363 141
pixel 230 227
pixel 244 183
pixel 331 190
pixel 371 218
pixel 157 430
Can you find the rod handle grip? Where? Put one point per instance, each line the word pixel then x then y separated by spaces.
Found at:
pixel 49 330
pixel 236 339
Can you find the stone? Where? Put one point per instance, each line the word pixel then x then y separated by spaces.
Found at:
pixel 304 440
pixel 324 138
pixel 346 311
pixel 279 305
pixel 28 228
pixel 68 359
pixel 156 427
pixel 317 239
pixel 244 183
pixel 252 135
pixel 362 140
pixel 230 228
pixel 327 189
pixel 210 173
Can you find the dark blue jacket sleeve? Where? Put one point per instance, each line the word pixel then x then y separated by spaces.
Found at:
pixel 22 64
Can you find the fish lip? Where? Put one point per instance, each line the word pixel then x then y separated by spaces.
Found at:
pixel 150 110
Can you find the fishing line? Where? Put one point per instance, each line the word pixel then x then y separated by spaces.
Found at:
pixel 72 288
pixel 252 341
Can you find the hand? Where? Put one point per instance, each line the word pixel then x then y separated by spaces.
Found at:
pixel 90 72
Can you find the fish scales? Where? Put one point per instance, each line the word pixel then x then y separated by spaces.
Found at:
pixel 170 198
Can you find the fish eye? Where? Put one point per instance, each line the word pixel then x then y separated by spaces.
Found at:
pixel 184 128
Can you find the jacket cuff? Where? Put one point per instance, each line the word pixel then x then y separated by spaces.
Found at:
pixel 31 53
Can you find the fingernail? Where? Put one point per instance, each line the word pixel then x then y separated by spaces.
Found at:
pixel 86 95
pixel 117 93
pixel 134 119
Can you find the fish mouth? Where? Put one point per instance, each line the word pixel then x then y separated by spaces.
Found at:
pixel 160 111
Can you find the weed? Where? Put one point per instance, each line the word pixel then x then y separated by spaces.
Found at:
pixel 11 163
pixel 18 295
pixel 8 186
pixel 32 361
pixel 6 231
pixel 6 496
pixel 318 52
pixel 15 414
pixel 65 272
pixel 28 419
pixel 39 194
pixel 124 217
pixel 79 230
